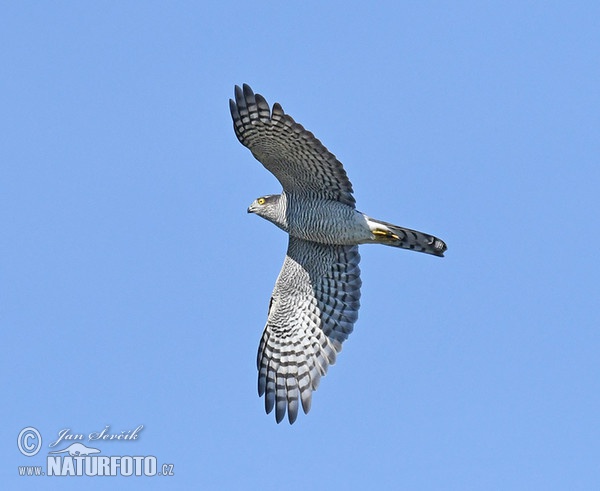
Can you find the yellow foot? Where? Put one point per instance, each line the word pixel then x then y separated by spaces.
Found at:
pixel 385 233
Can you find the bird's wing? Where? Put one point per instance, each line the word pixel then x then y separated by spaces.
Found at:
pixel 298 160
pixel 313 310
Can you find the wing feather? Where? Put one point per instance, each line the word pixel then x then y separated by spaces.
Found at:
pixel 298 160
pixel 313 310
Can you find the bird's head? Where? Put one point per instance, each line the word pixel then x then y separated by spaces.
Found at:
pixel 267 207
pixel 262 204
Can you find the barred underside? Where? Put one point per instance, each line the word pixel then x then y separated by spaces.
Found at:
pixel 313 310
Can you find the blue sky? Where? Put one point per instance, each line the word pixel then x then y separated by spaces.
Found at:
pixel 135 286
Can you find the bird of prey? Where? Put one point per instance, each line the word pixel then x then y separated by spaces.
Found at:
pixel 315 301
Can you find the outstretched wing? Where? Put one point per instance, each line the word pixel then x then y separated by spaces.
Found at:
pixel 313 310
pixel 297 159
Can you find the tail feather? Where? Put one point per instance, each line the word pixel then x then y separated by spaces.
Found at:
pixel 395 236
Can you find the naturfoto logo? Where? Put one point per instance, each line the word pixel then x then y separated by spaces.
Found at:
pixel 79 459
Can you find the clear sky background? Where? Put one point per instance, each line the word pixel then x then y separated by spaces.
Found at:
pixel 134 286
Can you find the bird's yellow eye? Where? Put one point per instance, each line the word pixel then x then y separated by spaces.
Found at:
pixel 261 201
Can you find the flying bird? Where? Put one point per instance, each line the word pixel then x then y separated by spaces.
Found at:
pixel 315 301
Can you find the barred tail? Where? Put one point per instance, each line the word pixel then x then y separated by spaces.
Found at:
pixel 392 235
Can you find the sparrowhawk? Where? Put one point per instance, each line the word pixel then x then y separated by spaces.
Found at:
pixel 315 301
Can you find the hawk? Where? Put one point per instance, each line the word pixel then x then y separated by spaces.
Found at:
pixel 315 301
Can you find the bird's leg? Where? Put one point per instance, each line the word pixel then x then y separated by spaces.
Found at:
pixel 385 233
